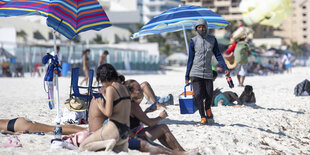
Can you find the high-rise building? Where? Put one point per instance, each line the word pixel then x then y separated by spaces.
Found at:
pixel 151 8
pixel 228 9
pixel 297 27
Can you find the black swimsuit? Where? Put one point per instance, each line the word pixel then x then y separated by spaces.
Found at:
pixel 123 129
pixel 11 124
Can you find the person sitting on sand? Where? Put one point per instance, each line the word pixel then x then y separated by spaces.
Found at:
pixel 154 130
pixel 247 96
pixel 225 98
pixel 22 125
pixel 97 119
pixel 148 92
pixel 116 107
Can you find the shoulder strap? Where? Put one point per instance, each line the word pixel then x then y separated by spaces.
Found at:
pixel 120 98
pixel 116 91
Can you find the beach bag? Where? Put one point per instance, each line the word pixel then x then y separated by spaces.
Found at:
pixel 241 53
pixel 77 138
pixel 186 101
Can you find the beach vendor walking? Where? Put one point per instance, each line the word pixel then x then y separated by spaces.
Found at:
pixel 241 54
pixel 199 69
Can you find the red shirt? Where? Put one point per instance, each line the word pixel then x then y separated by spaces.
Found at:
pixel 232 48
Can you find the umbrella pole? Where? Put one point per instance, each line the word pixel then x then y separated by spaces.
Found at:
pixel 56 80
pixel 185 38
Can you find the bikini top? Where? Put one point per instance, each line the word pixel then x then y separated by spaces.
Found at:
pixel 120 99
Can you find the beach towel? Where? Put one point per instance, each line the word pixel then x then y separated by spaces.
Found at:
pixel 72 117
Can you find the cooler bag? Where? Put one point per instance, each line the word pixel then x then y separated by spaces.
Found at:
pixel 186 101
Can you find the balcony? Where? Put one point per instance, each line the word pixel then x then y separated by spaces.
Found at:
pixel 159 3
pixel 222 3
pixel 223 10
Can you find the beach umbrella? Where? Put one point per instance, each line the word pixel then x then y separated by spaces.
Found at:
pixel 5 54
pixel 68 17
pixel 265 12
pixel 181 18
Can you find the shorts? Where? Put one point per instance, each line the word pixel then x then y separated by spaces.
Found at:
pixel 241 69
pixel 134 144
pixel 287 66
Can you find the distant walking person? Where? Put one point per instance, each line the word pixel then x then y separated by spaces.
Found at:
pixel 286 61
pixel 85 60
pixel 103 58
pixel 199 69
pixel 241 54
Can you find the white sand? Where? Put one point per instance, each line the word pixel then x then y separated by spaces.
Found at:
pixel 279 124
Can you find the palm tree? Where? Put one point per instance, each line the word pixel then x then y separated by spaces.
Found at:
pixel 296 48
pixel 22 34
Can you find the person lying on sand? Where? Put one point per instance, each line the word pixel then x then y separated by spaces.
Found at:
pixel 116 107
pixel 225 98
pixel 148 92
pixel 22 125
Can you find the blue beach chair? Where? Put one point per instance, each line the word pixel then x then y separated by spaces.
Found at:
pixel 76 88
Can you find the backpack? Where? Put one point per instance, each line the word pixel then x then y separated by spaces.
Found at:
pixel 241 53
pixel 301 87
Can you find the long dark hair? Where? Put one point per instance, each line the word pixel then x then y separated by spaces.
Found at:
pixel 85 51
pixel 106 73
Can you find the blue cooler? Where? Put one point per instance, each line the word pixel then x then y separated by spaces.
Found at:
pixel 186 102
pixel 65 68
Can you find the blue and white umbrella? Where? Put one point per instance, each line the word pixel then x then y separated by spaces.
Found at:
pixel 181 18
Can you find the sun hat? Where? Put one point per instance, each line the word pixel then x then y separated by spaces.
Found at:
pixel 75 104
pixel 240 33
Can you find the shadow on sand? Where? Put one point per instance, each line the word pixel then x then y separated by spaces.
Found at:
pixel 280 133
pixel 255 106
pixel 170 121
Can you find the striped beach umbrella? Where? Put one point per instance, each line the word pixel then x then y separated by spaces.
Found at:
pixel 181 18
pixel 24 7
pixel 71 17
pixel 68 17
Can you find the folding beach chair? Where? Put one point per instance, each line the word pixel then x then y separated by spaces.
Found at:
pixel 76 88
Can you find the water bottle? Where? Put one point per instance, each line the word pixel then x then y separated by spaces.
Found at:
pixel 229 81
pixel 57 131
pixel 50 86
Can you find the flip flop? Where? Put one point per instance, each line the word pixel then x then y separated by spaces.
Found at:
pixel 12 141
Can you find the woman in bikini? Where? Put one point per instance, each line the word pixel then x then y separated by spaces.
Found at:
pixel 23 125
pixel 116 106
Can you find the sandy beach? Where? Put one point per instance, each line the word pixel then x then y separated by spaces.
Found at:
pixel 279 123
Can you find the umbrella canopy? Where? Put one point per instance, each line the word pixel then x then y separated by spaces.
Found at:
pixel 19 7
pixel 68 17
pixel 5 54
pixel 182 17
